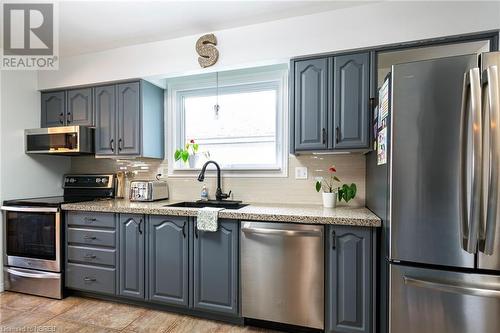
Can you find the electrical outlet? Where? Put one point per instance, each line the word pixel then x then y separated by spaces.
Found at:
pixel 300 173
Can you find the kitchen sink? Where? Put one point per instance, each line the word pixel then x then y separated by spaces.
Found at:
pixel 229 204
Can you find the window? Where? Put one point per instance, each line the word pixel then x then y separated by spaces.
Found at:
pixel 245 134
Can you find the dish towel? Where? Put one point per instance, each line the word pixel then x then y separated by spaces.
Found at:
pixel 208 219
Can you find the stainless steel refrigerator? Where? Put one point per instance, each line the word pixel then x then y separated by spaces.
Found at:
pixel 444 233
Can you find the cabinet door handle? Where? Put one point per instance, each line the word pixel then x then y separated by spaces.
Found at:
pixel 334 241
pixel 89 237
pixel 61 120
pixel 323 135
pixel 89 219
pixel 196 230
pixel 69 119
pixel 90 256
pixel 337 134
pixel 184 230
pixel 111 145
pixel 89 279
pixel 120 144
pixel 139 227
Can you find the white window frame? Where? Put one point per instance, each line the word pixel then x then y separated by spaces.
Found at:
pixel 263 78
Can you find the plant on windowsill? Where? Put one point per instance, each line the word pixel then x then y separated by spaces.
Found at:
pixel 330 191
pixel 189 154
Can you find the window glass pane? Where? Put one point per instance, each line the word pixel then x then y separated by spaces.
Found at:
pixel 241 133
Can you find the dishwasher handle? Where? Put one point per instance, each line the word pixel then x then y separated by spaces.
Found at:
pixel 281 232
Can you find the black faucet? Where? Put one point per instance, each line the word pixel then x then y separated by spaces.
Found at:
pixel 219 196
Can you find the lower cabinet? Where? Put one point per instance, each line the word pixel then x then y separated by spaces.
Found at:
pixel 168 260
pixel 349 301
pixel 215 269
pixel 132 254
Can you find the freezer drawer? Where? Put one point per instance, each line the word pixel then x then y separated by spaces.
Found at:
pixel 426 300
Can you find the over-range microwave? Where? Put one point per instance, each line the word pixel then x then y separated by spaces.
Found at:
pixel 64 140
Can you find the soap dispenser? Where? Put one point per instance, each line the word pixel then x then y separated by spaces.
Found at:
pixel 204 193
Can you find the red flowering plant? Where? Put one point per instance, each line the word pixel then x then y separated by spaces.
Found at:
pixel 328 184
pixel 345 192
pixel 190 148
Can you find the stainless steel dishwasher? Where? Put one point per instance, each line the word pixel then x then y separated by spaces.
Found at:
pixel 282 268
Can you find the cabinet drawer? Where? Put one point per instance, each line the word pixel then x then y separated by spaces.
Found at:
pixel 106 220
pixel 90 278
pixel 91 237
pixel 92 255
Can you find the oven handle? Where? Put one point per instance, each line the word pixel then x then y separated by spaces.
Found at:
pixel 31 209
pixel 23 273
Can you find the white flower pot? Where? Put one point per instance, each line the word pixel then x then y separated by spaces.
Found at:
pixel 193 159
pixel 329 199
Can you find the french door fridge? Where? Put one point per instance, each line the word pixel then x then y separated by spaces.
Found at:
pixel 444 195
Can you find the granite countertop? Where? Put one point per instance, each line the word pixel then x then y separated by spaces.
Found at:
pixel 257 212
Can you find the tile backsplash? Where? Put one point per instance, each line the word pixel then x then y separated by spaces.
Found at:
pixel 286 190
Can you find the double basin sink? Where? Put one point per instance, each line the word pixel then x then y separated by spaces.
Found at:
pixel 227 204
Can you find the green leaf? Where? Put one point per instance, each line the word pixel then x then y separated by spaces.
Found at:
pixel 318 186
pixel 185 155
pixel 177 155
pixel 195 147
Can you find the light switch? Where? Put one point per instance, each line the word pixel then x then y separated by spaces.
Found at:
pixel 300 173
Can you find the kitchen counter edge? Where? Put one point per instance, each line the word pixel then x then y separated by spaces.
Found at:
pixel 310 214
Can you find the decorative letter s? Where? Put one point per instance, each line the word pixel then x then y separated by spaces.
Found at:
pixel 205 47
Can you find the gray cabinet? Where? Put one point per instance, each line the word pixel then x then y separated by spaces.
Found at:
pixel 351 97
pixel 349 300
pixel 129 120
pixel 330 103
pixel 80 109
pixel 90 252
pixel 168 243
pixel 105 133
pixel 131 254
pixel 67 108
pixel 310 104
pixel 53 109
pixel 215 269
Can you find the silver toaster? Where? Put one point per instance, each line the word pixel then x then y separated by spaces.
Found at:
pixel 148 190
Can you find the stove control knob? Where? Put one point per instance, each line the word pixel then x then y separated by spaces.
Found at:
pixel 66 180
pixel 72 180
pixel 104 180
pixel 98 180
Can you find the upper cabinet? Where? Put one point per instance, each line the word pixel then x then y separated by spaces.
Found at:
pixel 351 98
pixel 53 109
pixel 129 120
pixel 80 110
pixel 311 109
pixel 67 108
pixel 330 100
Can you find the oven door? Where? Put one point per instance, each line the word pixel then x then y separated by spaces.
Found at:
pixel 32 237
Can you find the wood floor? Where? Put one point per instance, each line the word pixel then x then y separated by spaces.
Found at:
pixel 25 313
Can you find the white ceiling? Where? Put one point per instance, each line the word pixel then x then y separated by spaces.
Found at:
pixel 90 26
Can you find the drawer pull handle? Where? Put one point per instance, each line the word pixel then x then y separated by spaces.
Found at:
pixel 90 237
pixel 90 256
pixel 90 219
pixel 89 279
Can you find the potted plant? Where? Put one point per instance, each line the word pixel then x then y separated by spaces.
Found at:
pixel 188 154
pixel 330 190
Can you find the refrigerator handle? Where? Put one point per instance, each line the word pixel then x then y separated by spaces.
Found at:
pixel 490 77
pixel 470 213
pixel 452 287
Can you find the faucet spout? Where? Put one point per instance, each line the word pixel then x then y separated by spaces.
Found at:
pixel 219 195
